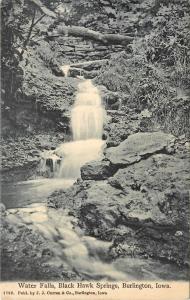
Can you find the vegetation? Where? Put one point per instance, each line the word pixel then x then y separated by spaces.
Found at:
pixel 155 70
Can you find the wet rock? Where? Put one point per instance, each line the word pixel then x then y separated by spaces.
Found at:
pixel 138 146
pixel 2 208
pixel 96 170
pixel 140 207
pixel 75 72
pixel 22 154
pixel 110 99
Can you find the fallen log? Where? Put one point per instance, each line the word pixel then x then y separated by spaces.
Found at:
pixel 78 31
pixel 117 38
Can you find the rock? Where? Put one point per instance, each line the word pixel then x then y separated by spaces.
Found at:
pixel 34 153
pixel 75 72
pixel 2 208
pixel 100 48
pixel 153 172
pixel 96 170
pixel 23 163
pixel 150 177
pixel 119 125
pixel 110 98
pixel 138 146
pixel 143 204
pixel 90 74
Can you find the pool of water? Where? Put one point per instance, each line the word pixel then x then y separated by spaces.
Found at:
pixel 26 202
pixel 23 193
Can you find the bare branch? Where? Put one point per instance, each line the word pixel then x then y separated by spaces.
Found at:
pixel 38 20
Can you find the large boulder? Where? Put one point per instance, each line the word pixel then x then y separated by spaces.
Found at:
pixel 96 170
pixel 138 146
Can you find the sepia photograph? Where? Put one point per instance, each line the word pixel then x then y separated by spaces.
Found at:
pixel 95 144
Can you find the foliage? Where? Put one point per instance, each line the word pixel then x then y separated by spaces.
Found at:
pixel 19 27
pixel 156 75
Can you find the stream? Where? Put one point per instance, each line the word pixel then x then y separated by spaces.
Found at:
pixel 26 201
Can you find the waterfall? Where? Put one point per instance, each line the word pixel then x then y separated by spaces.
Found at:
pixel 87 117
pixel 65 69
pixel 50 159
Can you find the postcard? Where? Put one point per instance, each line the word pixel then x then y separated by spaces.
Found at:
pixel 95 149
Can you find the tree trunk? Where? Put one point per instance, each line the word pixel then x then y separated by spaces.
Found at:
pixel 78 31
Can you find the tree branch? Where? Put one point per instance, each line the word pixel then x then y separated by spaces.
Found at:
pixel 28 35
pixel 38 20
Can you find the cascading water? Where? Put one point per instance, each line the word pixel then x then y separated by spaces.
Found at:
pixel 87 117
pixel 65 69
pixel 82 254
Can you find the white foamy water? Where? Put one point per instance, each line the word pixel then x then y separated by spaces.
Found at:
pixel 65 69
pixel 76 154
pixel 87 117
pixel 78 252
pixel 49 157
